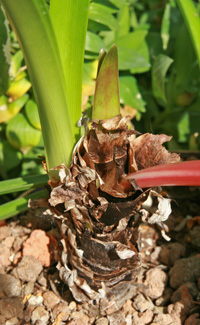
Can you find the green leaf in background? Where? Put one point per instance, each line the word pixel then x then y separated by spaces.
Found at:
pixel 18 88
pixel 130 94
pixel 159 71
pixel 183 127
pixel 32 114
pixel 21 134
pixel 9 156
pixel 133 52
pixel 22 183
pixel 93 43
pixel 165 28
pixel 107 83
pixel 118 3
pixel 4 53
pixel 123 18
pixel 16 62
pixel 155 46
pixel 192 20
pixel 9 110
pixel 187 70
pixel 103 14
pixel 20 205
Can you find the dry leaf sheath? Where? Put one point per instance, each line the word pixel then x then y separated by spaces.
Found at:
pixel 97 207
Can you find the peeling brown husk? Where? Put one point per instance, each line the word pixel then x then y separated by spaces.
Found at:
pixel 99 212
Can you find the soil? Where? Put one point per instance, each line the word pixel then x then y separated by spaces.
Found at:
pixel 31 291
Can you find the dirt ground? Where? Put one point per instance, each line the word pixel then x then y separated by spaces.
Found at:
pixel 32 293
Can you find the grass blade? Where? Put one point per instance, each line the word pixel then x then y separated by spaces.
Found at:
pixel 192 20
pixel 22 183
pixel 20 205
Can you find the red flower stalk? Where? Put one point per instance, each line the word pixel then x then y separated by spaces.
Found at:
pixel 177 174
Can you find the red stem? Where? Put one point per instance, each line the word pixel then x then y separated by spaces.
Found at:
pixel 178 174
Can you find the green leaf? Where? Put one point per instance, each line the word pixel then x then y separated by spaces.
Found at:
pixel 187 70
pixel 133 52
pixel 118 3
pixel 22 183
pixel 130 94
pixel 165 28
pixel 32 114
pixel 93 43
pixel 21 134
pixel 123 18
pixel 183 128
pixel 32 24
pixel 103 15
pixel 69 20
pixel 16 62
pixel 9 110
pixel 132 59
pixel 4 52
pixel 20 205
pixel 106 97
pixel 159 71
pixel 18 88
pixel 191 16
pixel 9 156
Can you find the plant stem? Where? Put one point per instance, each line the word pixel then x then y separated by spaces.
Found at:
pixel 31 22
pixel 185 173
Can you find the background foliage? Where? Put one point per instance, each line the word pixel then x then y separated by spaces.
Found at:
pixel 158 76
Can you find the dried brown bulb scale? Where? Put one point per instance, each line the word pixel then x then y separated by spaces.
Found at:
pixel 96 207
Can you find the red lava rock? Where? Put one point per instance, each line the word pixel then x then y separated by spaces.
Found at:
pixel 180 309
pixel 191 287
pixel 28 269
pixel 2 223
pixel 50 299
pixel 193 320
pixel 170 253
pixel 11 307
pixel 37 245
pixel 185 270
pixel 155 283
pixel 9 286
pixel 4 256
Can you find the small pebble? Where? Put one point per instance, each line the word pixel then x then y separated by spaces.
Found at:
pixel 72 305
pixel 50 299
pixel 185 270
pixel 35 300
pixel 12 321
pixel 41 314
pixel 102 321
pixel 9 286
pixel 28 269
